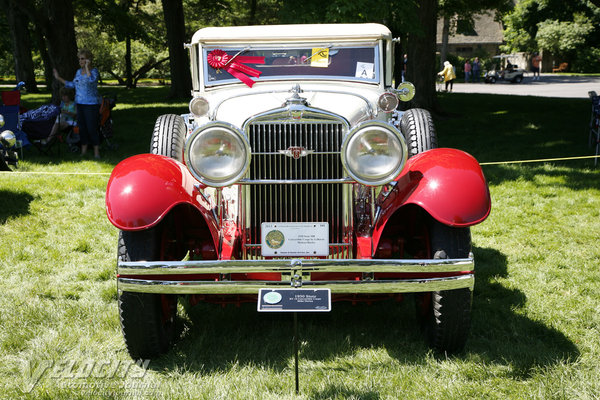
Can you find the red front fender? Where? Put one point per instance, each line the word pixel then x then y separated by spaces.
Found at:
pixel 142 189
pixel 447 183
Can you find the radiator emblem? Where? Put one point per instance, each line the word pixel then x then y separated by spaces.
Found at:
pixel 275 239
pixel 296 152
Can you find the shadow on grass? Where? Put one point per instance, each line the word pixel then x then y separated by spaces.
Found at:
pixel 219 338
pixel 505 128
pixel 342 392
pixel 13 204
pixel 572 178
pixel 500 334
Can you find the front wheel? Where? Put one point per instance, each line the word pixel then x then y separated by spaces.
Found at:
pixel 168 137
pixel 147 319
pixel 445 315
pixel 417 127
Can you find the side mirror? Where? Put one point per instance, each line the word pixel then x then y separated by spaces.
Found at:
pixel 405 91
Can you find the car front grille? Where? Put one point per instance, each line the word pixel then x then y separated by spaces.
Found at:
pixel 296 175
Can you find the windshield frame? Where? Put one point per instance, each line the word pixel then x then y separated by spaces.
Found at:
pixel 204 73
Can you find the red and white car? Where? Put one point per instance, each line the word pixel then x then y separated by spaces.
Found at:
pixel 294 168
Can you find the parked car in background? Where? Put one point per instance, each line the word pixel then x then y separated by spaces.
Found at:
pixel 294 168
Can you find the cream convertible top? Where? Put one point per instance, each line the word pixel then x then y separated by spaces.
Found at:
pixel 287 33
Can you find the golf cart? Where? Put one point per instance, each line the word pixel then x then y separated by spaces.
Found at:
pixel 509 70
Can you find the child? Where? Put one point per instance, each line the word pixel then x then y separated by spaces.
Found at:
pixel 67 116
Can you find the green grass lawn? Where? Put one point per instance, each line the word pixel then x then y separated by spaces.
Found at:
pixel 536 311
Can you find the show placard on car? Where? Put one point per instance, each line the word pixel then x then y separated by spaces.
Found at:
pixel 294 239
pixel 294 300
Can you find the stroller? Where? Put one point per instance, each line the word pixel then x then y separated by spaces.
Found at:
pixel 38 125
pixel 105 128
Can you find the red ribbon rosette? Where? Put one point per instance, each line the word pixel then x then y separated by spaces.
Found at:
pixel 235 65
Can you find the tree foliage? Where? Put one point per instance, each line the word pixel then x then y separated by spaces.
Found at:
pixel 569 30
pixel 563 37
pixel 129 37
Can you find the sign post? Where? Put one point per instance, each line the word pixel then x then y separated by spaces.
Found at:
pixel 294 300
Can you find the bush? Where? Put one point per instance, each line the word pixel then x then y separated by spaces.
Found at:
pixel 588 60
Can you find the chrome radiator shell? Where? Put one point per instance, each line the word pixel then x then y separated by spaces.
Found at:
pixel 296 175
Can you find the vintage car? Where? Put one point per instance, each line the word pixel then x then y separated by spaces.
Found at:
pixel 295 169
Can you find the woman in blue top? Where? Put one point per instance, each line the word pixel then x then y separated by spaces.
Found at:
pixel 87 100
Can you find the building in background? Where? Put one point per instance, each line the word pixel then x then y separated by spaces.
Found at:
pixel 469 40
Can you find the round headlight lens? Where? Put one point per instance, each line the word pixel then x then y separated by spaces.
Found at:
pixel 217 154
pixel 199 106
pixel 374 153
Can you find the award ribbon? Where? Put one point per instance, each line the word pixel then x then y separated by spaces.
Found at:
pixel 235 65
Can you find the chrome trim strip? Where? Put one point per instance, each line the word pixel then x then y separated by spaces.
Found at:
pixel 281 265
pixel 252 287
pixel 292 182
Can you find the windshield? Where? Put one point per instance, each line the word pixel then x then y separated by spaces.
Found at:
pixel 356 63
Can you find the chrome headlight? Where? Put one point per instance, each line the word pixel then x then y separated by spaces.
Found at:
pixel 8 139
pixel 217 154
pixel 1 120
pixel 374 153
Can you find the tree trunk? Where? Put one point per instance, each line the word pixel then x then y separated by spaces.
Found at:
pixel 21 41
pixel 59 30
pixel 421 69
pixel 128 70
pixel 445 36
pixel 55 20
pixel 252 14
pixel 41 44
pixel 181 80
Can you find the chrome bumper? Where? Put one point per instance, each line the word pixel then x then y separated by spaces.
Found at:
pixel 169 277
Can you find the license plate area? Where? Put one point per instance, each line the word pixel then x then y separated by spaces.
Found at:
pixel 295 239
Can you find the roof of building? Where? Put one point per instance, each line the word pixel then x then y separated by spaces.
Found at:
pixel 487 30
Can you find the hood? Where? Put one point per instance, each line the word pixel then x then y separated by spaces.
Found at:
pixel 355 103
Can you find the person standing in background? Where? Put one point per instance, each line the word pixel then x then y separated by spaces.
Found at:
pixel 476 69
pixel 448 74
pixel 535 65
pixel 467 71
pixel 87 101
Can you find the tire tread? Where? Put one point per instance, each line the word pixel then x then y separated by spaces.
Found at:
pixel 419 131
pixel 168 137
